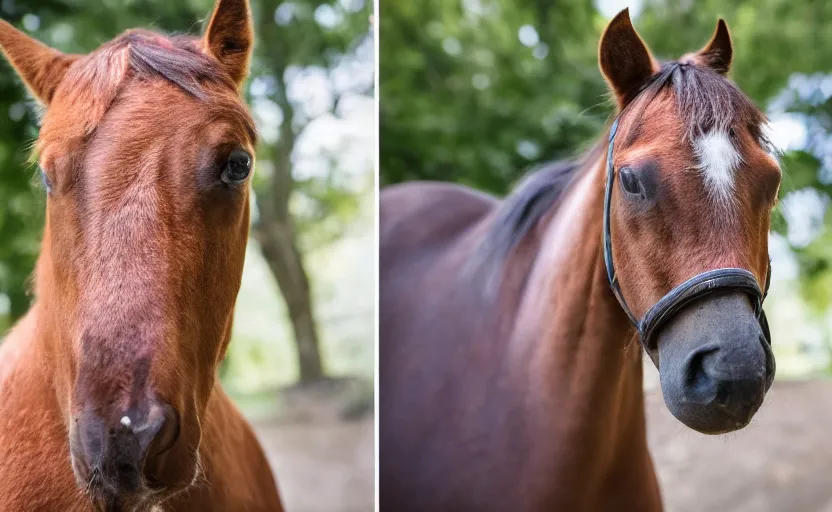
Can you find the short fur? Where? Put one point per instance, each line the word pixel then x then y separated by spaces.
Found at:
pixel 140 266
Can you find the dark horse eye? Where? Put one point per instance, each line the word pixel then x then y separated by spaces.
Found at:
pixel 237 168
pixel 629 181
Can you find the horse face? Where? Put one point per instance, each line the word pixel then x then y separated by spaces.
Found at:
pixel 150 242
pixel 146 150
pixel 694 188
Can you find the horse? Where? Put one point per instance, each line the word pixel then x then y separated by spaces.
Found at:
pixel 109 397
pixel 511 331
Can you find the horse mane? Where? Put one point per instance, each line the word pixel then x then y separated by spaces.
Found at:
pixel 178 59
pixel 540 192
pixel 704 99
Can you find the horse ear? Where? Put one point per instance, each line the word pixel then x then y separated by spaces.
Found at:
pixel 230 37
pixel 719 51
pixel 625 60
pixel 42 68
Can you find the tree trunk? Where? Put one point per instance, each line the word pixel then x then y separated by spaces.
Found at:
pixel 279 248
pixel 275 230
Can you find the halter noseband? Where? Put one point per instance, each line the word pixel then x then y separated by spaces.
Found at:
pixel 698 286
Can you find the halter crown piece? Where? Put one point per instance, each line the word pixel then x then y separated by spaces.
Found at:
pixel 698 286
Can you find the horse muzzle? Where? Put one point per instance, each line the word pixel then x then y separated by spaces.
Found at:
pixel 111 456
pixel 716 363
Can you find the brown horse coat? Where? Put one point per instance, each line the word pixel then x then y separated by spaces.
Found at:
pixel 109 397
pixel 537 410
pixel 510 378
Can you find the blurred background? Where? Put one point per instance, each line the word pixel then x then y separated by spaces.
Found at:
pixel 479 91
pixel 301 360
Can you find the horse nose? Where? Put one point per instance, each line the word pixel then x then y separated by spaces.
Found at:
pixel 118 449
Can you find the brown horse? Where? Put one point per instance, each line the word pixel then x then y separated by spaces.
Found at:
pixel 510 373
pixel 108 392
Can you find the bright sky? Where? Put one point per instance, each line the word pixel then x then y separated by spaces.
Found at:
pixel 610 8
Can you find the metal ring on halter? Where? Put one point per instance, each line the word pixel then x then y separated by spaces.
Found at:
pixel 700 285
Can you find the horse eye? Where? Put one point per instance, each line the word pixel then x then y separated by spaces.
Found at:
pixel 45 179
pixel 629 181
pixel 237 168
pixel 731 132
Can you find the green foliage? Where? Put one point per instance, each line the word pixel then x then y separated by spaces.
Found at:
pixel 772 38
pixel 323 210
pixel 462 99
pixel 289 33
pixel 23 208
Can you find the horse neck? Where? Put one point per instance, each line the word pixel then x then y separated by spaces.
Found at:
pixel 573 341
pixel 568 298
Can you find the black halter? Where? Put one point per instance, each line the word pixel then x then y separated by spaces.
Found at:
pixel 698 286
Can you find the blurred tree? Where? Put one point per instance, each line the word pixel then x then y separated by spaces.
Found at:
pixel 475 92
pixel 312 37
pixel 23 208
pixel 22 214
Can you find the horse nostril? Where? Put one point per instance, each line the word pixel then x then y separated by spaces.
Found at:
pixel 162 430
pixel 718 378
pixel 701 385
pixel 124 469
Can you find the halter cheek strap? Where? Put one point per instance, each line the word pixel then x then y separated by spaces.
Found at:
pixel 700 285
pixel 611 277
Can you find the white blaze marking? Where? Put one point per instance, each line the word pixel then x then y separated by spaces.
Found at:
pixel 718 161
pixel 125 421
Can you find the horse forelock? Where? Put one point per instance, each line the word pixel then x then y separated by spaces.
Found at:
pixel 96 81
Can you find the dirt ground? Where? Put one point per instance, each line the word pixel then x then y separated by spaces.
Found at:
pixel 319 440
pixel 782 462
pixel 326 466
